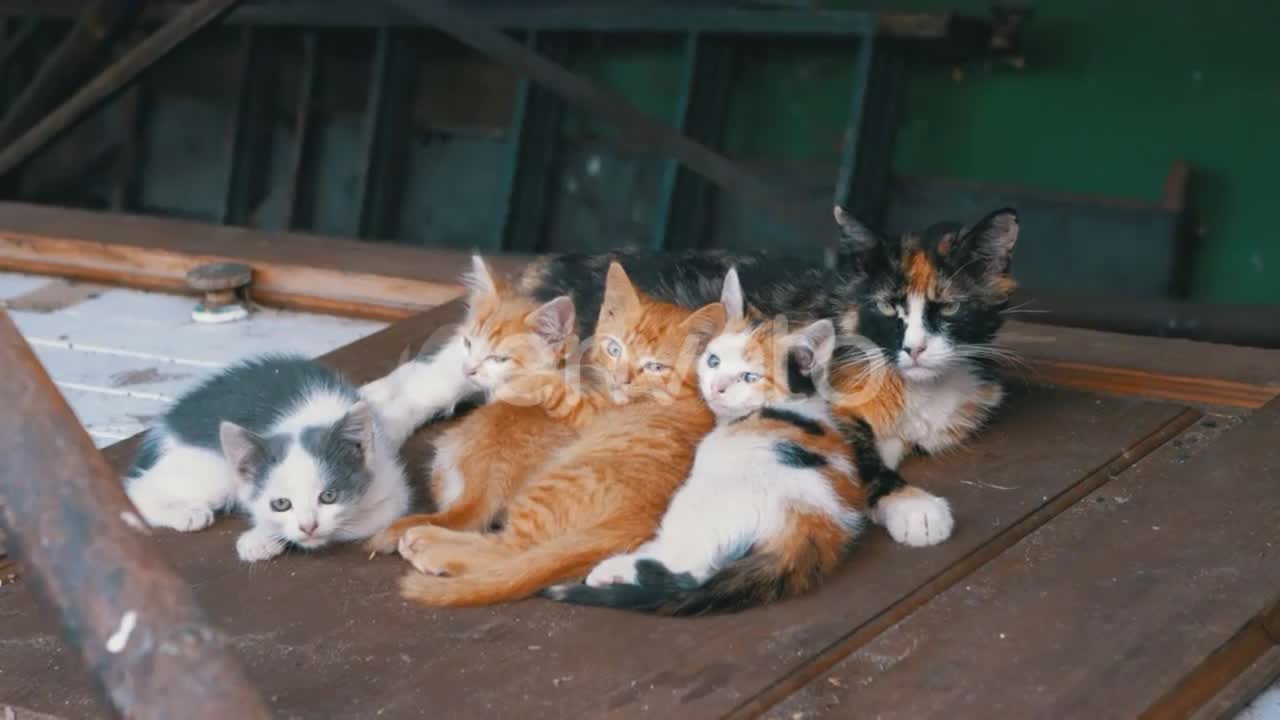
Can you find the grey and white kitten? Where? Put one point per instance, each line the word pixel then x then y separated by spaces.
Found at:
pixel 282 439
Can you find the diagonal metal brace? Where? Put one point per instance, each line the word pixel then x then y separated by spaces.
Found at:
pixel 653 133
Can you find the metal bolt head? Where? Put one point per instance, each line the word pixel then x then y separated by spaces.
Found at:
pixel 213 277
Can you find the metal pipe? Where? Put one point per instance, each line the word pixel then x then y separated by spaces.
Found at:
pixel 68 521
pixel 112 81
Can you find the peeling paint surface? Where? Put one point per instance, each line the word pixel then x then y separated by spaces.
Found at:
pixel 121 356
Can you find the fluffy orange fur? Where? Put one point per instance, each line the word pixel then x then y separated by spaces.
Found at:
pixel 606 491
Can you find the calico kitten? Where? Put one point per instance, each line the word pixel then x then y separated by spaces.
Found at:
pixel 282 439
pixel 518 349
pixel 772 502
pixel 605 492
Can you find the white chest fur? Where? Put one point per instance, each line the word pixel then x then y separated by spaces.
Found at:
pixel 941 412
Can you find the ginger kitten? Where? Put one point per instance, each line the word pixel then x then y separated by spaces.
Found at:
pixel 605 492
pixel 512 347
pixel 773 501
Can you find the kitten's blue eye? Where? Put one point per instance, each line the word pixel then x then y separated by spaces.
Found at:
pixel 750 377
pixel 713 360
pixel 328 497
pixel 281 504
pixel 654 367
pixel 499 358
pixel 951 309
pixel 612 347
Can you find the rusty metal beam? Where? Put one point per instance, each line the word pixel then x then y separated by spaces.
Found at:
pixel 89 40
pixel 113 80
pixel 68 521
pixel 658 136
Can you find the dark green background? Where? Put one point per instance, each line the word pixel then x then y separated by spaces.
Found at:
pixel 1113 92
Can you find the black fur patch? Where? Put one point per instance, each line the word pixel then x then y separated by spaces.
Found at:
pixel 797 456
pixel 341 460
pixel 878 479
pixel 808 425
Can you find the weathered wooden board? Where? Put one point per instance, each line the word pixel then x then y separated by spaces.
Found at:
pixel 1131 599
pixel 120 356
pixel 308 623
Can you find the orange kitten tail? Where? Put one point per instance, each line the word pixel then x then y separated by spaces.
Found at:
pixel 786 567
pixel 523 574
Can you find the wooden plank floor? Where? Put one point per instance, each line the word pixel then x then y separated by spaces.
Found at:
pixel 1030 521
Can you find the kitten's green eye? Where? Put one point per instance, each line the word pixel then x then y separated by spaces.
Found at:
pixel 750 377
pixel 713 360
pixel 951 309
pixel 499 358
pixel 886 308
pixel 281 504
pixel 613 348
pixel 654 367
pixel 328 497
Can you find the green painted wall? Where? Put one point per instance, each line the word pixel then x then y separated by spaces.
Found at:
pixel 1112 94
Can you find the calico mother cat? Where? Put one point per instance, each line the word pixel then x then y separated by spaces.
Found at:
pixel 915 315
pixel 280 438
pixel 603 493
pixel 772 503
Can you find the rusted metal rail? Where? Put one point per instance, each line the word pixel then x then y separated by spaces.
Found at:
pixel 112 80
pixel 66 517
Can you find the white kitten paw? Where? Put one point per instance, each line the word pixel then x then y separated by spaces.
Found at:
pixel 178 516
pixel 914 517
pixel 619 569
pixel 256 545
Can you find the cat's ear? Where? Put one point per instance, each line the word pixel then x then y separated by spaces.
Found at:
pixel 358 427
pixel 814 346
pixel 855 238
pixel 554 321
pixel 620 297
pixel 705 323
pixel 992 238
pixel 245 451
pixel 731 296
pixel 480 281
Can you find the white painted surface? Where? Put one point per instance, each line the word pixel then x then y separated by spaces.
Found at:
pixel 1265 707
pixel 120 358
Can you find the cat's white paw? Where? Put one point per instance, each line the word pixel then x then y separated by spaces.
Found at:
pixel 177 516
pixel 914 517
pixel 389 400
pixel 256 545
pixel 615 570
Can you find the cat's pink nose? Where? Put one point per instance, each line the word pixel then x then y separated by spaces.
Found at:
pixel 309 528
pixel 721 385
pixel 470 370
pixel 915 353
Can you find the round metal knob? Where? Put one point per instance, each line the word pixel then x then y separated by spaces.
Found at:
pixel 221 285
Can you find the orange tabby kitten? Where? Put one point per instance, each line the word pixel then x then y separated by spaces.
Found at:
pixel 604 493
pixel 512 343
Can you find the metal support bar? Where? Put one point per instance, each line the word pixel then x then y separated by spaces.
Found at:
pixel 536 154
pixel 249 137
pixel 77 53
pixel 507 173
pixel 112 81
pixel 134 621
pixel 671 168
pixel 380 182
pixel 125 191
pixel 301 129
pixel 593 98
pixel 691 218
pixel 853 127
pixel 868 193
